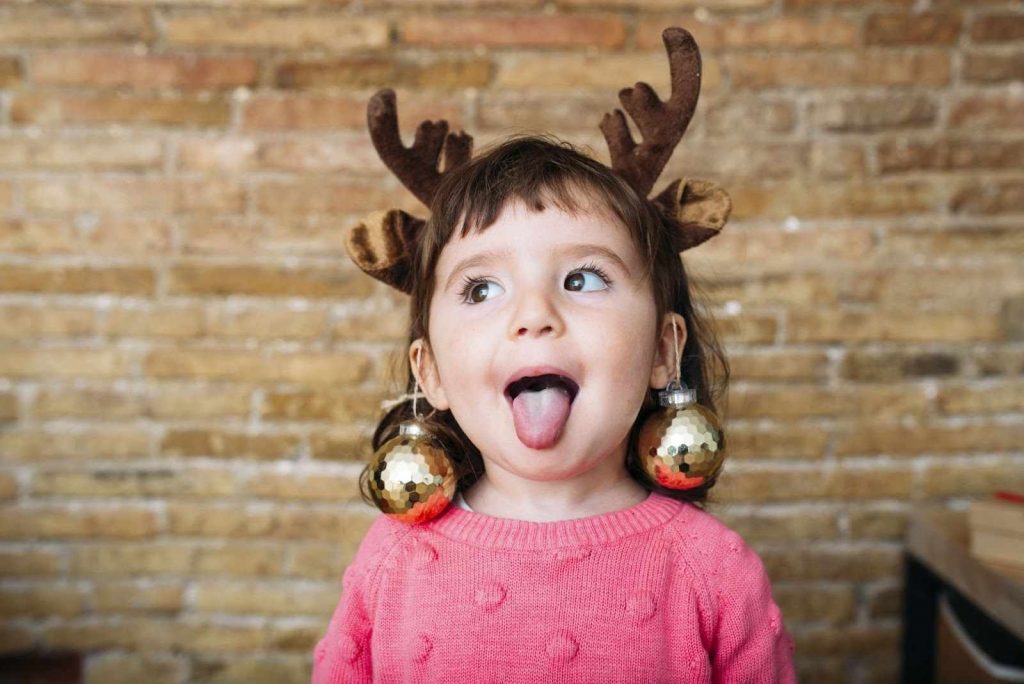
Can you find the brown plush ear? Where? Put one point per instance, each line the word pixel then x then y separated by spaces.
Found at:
pixel 382 244
pixel 698 208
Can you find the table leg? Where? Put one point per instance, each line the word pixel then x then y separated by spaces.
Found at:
pixel 920 603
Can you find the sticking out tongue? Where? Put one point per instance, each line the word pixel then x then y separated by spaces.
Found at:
pixel 540 415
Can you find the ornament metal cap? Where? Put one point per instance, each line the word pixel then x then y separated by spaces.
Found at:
pixel 411 429
pixel 677 395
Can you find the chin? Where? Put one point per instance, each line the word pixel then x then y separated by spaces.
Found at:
pixel 560 462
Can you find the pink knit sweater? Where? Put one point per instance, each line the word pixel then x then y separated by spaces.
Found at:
pixel 657 592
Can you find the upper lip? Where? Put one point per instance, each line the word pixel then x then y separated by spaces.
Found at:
pixel 534 371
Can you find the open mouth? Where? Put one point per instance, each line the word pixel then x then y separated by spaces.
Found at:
pixel 541 382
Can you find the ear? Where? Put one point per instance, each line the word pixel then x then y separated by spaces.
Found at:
pixel 665 358
pixel 421 359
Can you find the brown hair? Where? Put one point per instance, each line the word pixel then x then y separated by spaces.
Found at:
pixel 537 169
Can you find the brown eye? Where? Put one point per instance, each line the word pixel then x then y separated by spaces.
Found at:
pixel 478 293
pixel 577 281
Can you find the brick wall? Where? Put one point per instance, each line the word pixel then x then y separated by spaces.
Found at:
pixel 190 366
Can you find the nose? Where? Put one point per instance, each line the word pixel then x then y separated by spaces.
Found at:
pixel 536 314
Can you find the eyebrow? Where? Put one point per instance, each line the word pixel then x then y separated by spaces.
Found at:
pixel 575 251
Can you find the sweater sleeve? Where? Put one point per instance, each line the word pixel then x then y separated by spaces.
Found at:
pixel 751 643
pixel 343 654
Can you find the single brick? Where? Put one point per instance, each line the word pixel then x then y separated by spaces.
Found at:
pixel 987 112
pixel 20 561
pixel 588 30
pixel 865 366
pixel 877 523
pixel 237 559
pixel 665 5
pixel 278 668
pixel 264 598
pixel 333 406
pixel 894 325
pixel 53 109
pixel 869 438
pixel 992 242
pixel 75 444
pixel 873 641
pixel 167 481
pixel 834 605
pixel 142 72
pixel 998 397
pixel 124 280
pixel 291 199
pixel 293 32
pixel 788 32
pixel 384 71
pixel 985 67
pixel 267 281
pixel 26 322
pixel 130 559
pixel 304 486
pixel 607 72
pixel 340 444
pixel 154 321
pixel 223 444
pixel 265 322
pixel 998 28
pixel 126 195
pixel 28 25
pixel 11 72
pixel 129 668
pixel 41 600
pixel 872 66
pixel 724 117
pixel 57 521
pixel 296 111
pixel 920 28
pixel 989 198
pixel 949 155
pixel 868 114
pixel 771 525
pixel 166 596
pixel 107 152
pixel 969 477
pixel 831 199
pixel 344 368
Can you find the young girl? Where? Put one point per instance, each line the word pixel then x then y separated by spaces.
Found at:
pixel 559 560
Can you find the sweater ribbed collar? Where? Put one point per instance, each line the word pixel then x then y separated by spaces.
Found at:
pixel 507 533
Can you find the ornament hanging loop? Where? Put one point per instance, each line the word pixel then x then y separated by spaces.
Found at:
pixel 676 394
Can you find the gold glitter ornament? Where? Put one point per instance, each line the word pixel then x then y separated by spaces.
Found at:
pixel 411 477
pixel 682 445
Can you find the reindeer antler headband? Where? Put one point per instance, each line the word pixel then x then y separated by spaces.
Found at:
pixel 381 245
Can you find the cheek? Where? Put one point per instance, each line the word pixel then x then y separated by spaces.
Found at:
pixel 635 349
pixel 455 349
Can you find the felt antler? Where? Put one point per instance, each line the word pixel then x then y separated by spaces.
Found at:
pixel 698 209
pixel 662 124
pixel 415 166
pixel 381 245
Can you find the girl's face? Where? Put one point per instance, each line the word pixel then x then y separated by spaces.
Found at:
pixel 545 289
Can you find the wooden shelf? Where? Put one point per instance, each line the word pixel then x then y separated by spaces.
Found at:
pixel 939 538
